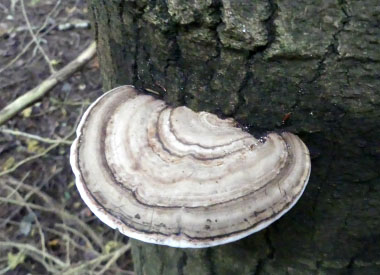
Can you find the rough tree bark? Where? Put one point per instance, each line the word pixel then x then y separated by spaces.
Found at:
pixel 258 61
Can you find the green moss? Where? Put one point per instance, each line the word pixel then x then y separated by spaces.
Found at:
pixel 186 12
pixel 305 30
pixel 244 24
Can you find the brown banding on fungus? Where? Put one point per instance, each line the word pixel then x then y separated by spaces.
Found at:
pixel 171 176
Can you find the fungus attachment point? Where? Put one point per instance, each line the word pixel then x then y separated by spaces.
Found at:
pixel 171 176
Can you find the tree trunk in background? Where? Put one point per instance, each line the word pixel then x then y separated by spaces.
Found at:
pixel 258 61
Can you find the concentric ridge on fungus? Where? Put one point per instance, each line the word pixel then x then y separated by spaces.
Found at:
pixel 171 176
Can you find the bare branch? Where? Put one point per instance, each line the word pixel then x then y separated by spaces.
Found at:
pixel 35 137
pixel 35 38
pixel 32 249
pixel 36 93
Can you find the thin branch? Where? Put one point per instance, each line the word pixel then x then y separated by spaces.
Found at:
pixel 77 233
pixel 47 199
pixel 33 249
pixel 35 39
pixel 114 258
pixel 35 137
pixel 51 147
pixel 98 260
pixel 24 50
pixel 38 224
pixel 34 190
pixel 17 165
pixel 5 270
pixel 14 190
pixel 49 267
pixel 64 235
pixel 63 214
pixel 36 93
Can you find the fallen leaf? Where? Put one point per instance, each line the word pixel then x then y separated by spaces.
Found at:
pixel 53 242
pixel 33 147
pixel 55 62
pixel 111 245
pixel 9 163
pixel 15 259
pixel 27 112
pixel 71 185
pixel 64 112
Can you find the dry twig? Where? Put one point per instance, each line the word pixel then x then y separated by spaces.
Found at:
pixel 36 93
pixel 63 214
pixel 51 147
pixel 35 38
pixel 32 249
pixel 35 137
pixel 14 167
pixel 38 224
pixel 30 43
pixel 112 256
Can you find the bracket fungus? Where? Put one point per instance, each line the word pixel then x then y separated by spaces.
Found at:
pixel 175 177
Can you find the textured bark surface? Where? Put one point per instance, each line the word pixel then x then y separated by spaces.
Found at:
pixel 258 61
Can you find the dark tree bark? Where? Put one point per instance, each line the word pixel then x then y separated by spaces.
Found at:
pixel 258 61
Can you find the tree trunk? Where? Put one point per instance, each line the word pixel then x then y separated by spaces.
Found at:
pixel 259 62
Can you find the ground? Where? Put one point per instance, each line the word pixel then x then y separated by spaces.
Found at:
pixel 45 228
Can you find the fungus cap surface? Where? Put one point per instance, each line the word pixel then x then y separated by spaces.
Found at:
pixel 175 177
